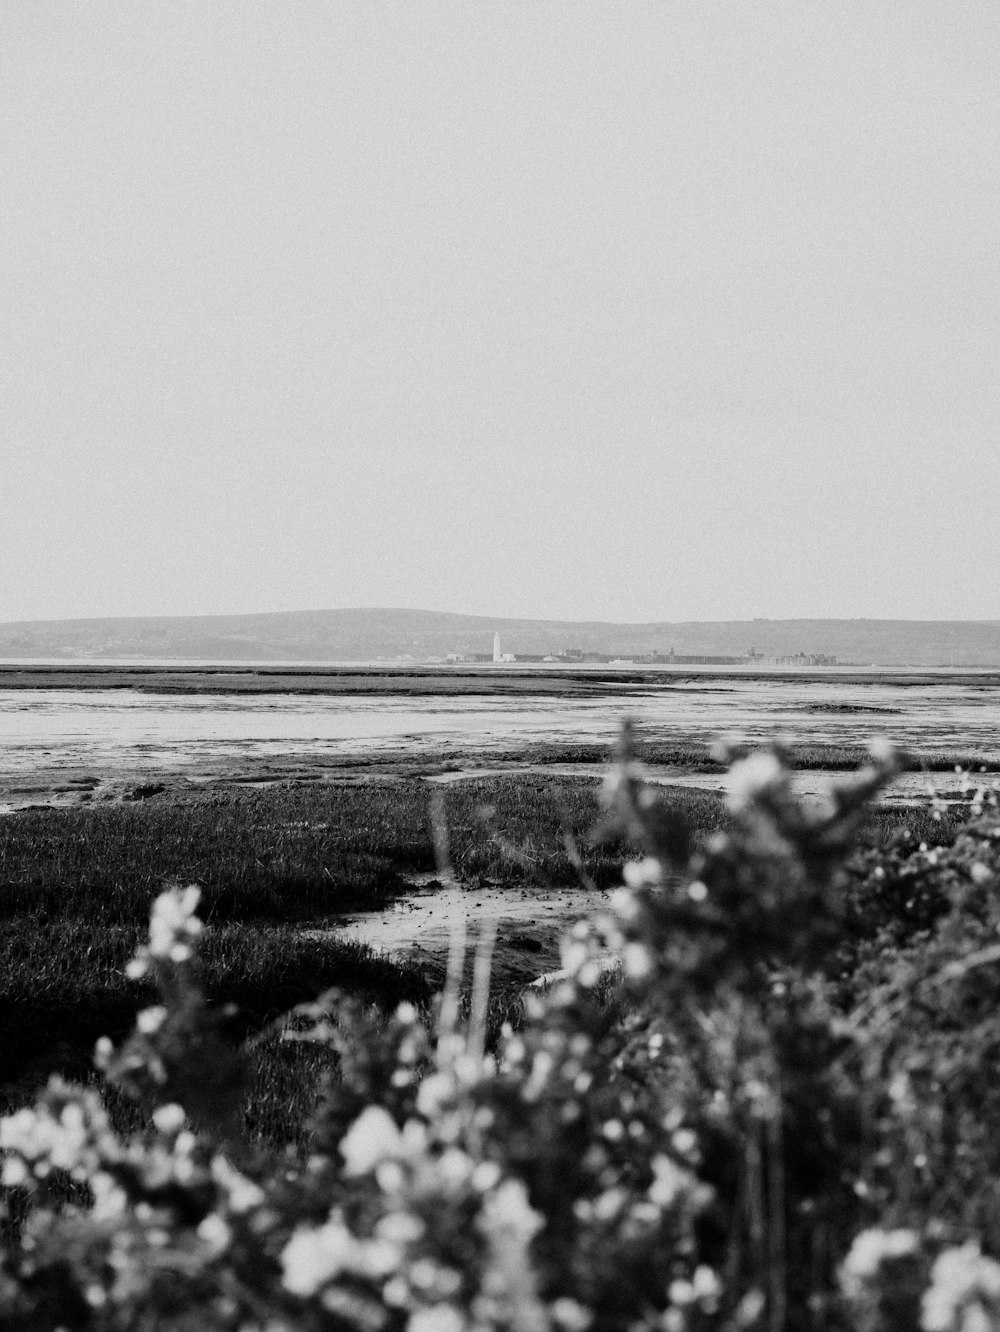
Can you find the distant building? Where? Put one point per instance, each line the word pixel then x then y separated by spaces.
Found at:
pixel 579 656
pixel 574 655
pixel 806 659
pixel 673 658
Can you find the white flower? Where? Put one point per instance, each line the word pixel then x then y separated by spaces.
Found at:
pixel 670 1182
pixel 881 749
pixel 871 1248
pixel 707 1287
pixel 378 1257
pixel 313 1256
pixel 400 1228
pixel 681 1293
pixel 485 1176
pixel 49 1143
pixel 14 1173
pixel 645 873
pixel 169 1118
pixel 608 1204
pixel 964 1294
pixel 372 1138
pixel 508 1210
pixel 753 777
pixel 437 1318
pixel 150 1020
pixel 673 1185
pixel 637 961
pixel 433 1092
pixel 19 1131
pixel 242 1194
pixel 573 954
pixel 570 1314
pixel 454 1168
pixel 541 1067
pixel 684 1141
pixel 110 1199
pixel 623 902
pixel 214 1232
pixel 173 925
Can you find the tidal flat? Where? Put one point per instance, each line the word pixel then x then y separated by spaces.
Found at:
pixel 305 886
pixel 74 735
pixel 307 819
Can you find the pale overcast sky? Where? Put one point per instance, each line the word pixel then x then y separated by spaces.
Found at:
pixel 638 310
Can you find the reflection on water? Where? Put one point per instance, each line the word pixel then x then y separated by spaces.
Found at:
pixel 106 734
pixel 427 918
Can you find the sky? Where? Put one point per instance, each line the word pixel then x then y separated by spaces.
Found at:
pixel 657 310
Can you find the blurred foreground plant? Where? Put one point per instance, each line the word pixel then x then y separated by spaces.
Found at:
pixel 689 1130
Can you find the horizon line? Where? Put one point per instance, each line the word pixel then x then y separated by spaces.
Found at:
pixel 478 615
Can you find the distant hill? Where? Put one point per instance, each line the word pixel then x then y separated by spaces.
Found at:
pixel 416 635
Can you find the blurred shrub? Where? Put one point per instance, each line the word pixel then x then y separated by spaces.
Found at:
pixel 760 1094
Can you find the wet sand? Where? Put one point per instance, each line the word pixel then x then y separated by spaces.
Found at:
pixel 537 678
pixel 524 925
pixel 318 680
pixel 79 741
pixel 82 736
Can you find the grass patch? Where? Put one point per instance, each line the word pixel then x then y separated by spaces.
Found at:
pixel 63 987
pixel 76 886
pixel 280 854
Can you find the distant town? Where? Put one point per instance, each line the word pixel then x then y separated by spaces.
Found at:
pixel 576 656
pixel 441 638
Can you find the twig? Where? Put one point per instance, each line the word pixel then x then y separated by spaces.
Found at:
pixel 776 1216
pixel 481 988
pixel 448 1017
pixel 869 1012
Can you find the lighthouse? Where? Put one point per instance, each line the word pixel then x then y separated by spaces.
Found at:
pixel 496 647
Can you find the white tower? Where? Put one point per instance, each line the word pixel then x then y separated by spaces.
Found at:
pixel 496 647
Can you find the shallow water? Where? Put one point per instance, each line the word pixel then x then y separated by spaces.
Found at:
pixel 64 742
pixel 523 923
pixel 67 746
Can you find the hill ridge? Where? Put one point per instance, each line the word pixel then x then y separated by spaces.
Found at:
pixel 400 633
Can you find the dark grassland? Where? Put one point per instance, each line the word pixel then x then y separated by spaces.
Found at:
pixel 76 887
pixel 692 757
pixel 235 678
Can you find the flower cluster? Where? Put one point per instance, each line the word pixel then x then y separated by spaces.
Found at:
pixel 670 1141
pixel 964 1293
pixel 174 929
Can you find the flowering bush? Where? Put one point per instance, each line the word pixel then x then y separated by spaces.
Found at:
pixel 697 1125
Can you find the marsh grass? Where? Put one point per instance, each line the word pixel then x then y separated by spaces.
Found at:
pixel 279 854
pixel 692 756
pixel 76 887
pixel 780 1088
pixel 64 986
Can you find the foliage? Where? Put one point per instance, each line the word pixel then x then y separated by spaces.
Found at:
pixel 76 887
pixel 733 1109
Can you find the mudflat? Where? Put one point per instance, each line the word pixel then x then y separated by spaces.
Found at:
pixel 78 734
pixel 435 679
pixel 305 813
